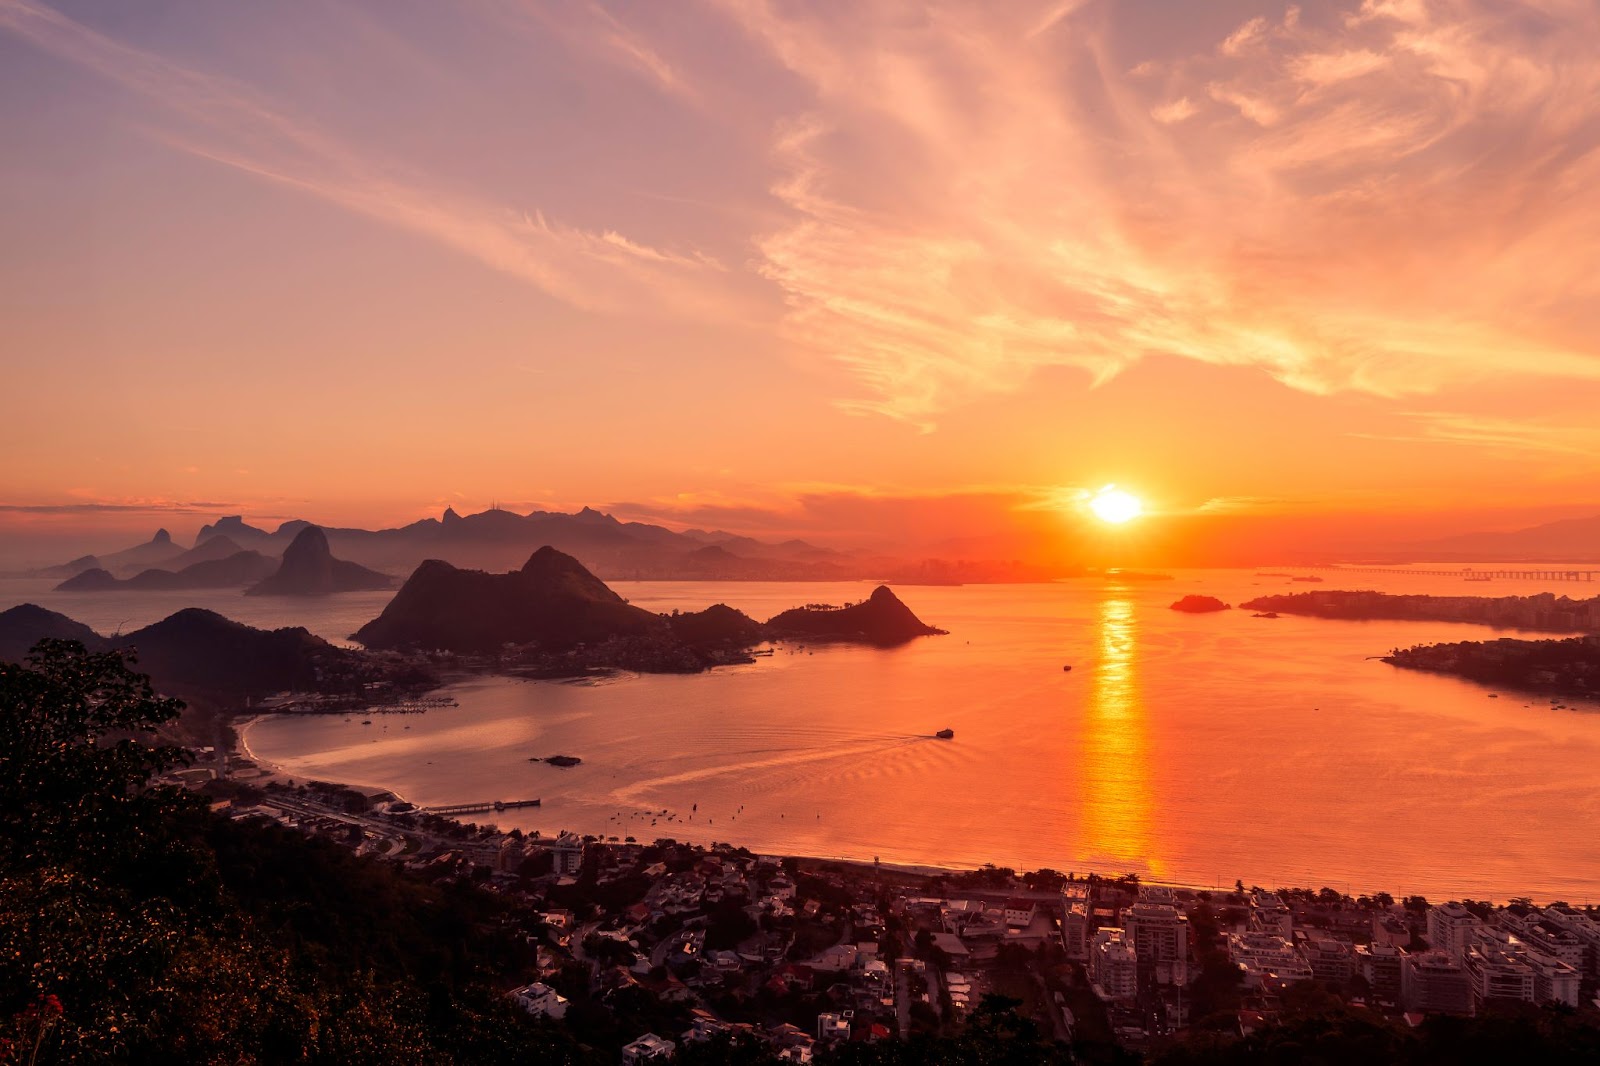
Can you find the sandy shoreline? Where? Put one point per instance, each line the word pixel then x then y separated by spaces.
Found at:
pixel 268 772
pixel 241 729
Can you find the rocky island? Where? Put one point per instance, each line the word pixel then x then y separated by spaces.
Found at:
pixel 880 619
pixel 1569 667
pixel 1193 604
pixel 1545 611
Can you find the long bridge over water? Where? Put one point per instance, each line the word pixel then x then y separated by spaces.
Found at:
pixel 482 805
pixel 1471 574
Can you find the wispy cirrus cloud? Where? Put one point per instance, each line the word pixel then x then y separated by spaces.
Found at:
pixel 123 507
pixel 587 24
pixel 1537 437
pixel 225 121
pixel 1383 197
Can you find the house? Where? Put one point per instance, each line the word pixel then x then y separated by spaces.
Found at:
pixel 540 1000
pixel 1020 912
pixel 838 957
pixel 705 1027
pixel 648 1048
pixel 832 1026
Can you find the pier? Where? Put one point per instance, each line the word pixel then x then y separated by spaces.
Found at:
pixel 1468 573
pixel 453 809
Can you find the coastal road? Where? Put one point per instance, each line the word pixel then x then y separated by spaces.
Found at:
pixel 902 998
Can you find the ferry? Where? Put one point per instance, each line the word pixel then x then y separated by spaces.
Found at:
pixel 946 734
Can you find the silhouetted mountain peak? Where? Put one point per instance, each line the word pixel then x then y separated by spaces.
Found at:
pixel 161 537
pixel 309 545
pixel 192 618
pixel 221 546
pixel 717 625
pixel 879 619
pixel 309 569
pixel 91 580
pixel 449 516
pixel 553 601
pixel 25 625
pixel 232 525
pixel 549 571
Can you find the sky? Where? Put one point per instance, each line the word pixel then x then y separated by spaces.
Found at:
pixel 869 272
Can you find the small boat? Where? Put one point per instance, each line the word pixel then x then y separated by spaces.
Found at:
pixel 1067 669
pixel 946 734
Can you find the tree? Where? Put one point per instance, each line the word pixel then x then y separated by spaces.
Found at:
pixel 76 758
pixel 155 931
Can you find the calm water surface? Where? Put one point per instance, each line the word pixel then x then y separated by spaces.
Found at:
pixel 1198 748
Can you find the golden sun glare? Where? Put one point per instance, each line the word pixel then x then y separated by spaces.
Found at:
pixel 1115 506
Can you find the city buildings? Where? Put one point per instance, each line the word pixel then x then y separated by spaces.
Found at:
pixel 1437 983
pixel 1450 928
pixel 1267 961
pixel 1159 933
pixel 1383 968
pixel 1113 965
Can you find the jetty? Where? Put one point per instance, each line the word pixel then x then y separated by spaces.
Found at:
pixel 450 810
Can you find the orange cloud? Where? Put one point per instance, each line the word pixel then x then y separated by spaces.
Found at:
pixel 1332 200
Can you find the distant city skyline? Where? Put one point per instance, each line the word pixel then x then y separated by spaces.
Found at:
pixel 866 273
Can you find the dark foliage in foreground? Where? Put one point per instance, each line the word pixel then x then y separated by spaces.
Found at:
pixel 135 926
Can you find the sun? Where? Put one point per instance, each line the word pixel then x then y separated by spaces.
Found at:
pixel 1115 506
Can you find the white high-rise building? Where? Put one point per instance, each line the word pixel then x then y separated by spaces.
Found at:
pixel 1451 927
pixel 1113 966
pixel 1159 933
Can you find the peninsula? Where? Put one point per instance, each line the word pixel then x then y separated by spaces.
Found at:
pixel 1569 667
pixel 556 617
pixel 1544 611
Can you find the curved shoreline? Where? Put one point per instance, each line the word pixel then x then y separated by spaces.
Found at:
pixel 271 771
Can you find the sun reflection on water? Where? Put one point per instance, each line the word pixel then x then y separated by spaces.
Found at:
pixel 1117 801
